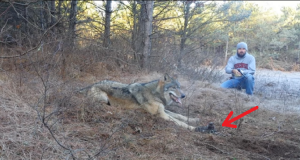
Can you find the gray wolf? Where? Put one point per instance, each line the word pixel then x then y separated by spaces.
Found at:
pixel 151 96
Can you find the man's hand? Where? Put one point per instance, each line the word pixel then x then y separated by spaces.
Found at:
pixel 236 73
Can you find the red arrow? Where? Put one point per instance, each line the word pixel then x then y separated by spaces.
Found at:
pixel 227 122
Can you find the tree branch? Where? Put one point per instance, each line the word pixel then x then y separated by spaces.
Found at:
pixel 37 46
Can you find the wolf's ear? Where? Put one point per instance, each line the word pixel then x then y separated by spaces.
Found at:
pixel 167 77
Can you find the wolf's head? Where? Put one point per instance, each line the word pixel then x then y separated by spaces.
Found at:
pixel 170 88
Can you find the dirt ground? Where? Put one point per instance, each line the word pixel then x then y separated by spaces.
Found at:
pixel 98 131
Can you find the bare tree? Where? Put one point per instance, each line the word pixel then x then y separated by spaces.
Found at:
pixel 135 27
pixel 198 18
pixel 139 35
pixel 148 32
pixel 187 6
pixel 108 11
pixel 72 22
pixel 143 37
pixel 59 11
pixel 52 12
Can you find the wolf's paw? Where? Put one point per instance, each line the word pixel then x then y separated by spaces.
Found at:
pixel 210 128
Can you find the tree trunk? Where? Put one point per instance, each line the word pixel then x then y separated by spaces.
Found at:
pixel 139 41
pixel 148 32
pixel 52 12
pixel 43 25
pixel 184 32
pixel 214 49
pixel 135 28
pixel 226 50
pixel 72 23
pixel 181 54
pixel 26 23
pixel 59 25
pixel 42 16
pixel 106 41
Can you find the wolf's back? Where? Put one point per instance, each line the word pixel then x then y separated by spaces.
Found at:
pixel 111 88
pixel 105 85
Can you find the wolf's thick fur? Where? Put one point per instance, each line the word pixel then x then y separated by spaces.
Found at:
pixel 152 97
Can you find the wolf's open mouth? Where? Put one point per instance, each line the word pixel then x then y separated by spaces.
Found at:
pixel 175 98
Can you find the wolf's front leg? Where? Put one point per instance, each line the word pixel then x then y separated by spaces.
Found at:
pixel 181 117
pixel 164 115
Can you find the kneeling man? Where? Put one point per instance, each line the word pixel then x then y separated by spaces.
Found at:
pixel 242 67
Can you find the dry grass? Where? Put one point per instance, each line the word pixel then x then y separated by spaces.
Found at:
pixel 273 64
pixel 96 131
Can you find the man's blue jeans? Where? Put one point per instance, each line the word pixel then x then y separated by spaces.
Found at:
pixel 246 82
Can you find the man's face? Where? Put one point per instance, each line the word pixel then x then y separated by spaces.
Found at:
pixel 241 51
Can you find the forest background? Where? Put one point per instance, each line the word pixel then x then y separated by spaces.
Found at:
pixel 152 35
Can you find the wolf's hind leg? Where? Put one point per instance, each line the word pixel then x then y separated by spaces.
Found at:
pixel 181 117
pixel 98 95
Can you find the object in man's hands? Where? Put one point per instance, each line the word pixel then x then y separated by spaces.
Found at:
pixel 237 73
pixel 241 71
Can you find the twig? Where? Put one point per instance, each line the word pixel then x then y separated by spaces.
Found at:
pixel 266 135
pixel 53 136
pixel 4 25
pixel 262 156
pixel 103 147
pixel 5 10
pixel 38 45
pixel 43 118
pixel 120 60
pixel 23 16
pixel 214 147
